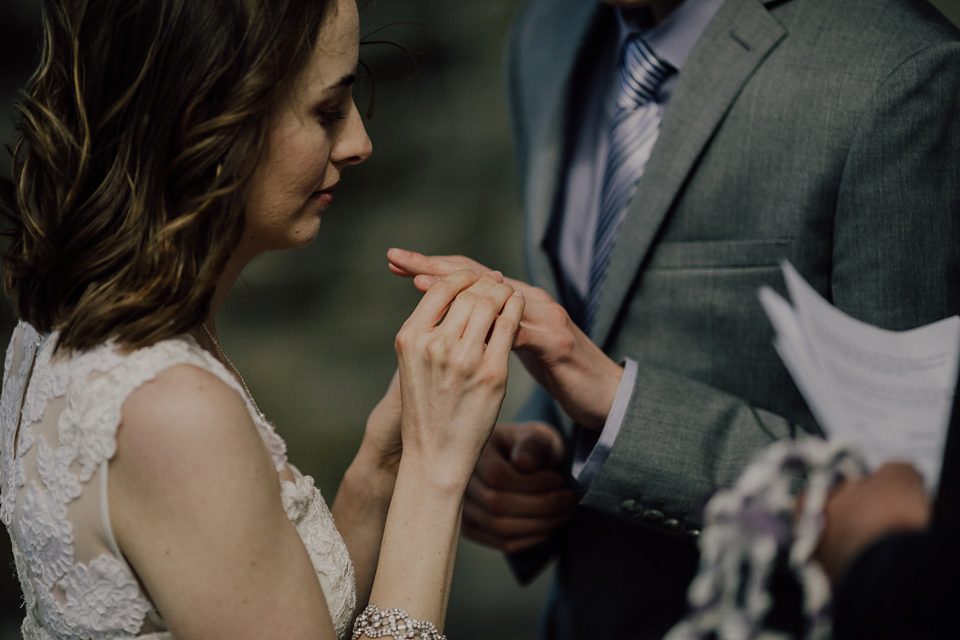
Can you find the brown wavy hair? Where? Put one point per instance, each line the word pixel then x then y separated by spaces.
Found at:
pixel 138 134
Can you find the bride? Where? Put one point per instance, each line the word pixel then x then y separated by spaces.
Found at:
pixel 164 145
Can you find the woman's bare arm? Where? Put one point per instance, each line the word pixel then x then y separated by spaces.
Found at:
pixel 362 502
pixel 195 499
pixel 195 505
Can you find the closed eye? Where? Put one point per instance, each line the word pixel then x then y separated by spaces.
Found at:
pixel 330 111
pixel 330 117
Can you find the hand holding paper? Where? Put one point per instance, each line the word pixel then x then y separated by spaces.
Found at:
pixel 887 392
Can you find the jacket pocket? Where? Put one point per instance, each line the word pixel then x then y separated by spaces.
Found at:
pixel 718 254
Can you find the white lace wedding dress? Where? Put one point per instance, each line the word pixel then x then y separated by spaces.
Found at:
pixel 75 581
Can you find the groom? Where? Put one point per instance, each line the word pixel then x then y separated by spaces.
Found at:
pixel 823 132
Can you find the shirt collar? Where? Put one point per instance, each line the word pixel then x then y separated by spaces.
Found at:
pixel 674 38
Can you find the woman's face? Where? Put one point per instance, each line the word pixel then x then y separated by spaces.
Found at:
pixel 315 133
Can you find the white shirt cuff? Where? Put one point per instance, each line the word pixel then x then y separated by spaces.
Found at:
pixel 591 451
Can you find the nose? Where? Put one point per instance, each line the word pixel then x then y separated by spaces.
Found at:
pixel 353 145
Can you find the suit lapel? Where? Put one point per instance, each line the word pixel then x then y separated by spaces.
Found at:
pixel 735 43
pixel 563 42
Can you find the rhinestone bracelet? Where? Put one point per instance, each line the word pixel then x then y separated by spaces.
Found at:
pixel 376 623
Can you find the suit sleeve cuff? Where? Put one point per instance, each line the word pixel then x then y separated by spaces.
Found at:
pixel 591 449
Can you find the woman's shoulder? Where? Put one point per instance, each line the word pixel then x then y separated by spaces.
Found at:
pixel 183 392
pixel 182 412
pixel 181 397
pixel 176 382
pixel 186 436
pixel 174 391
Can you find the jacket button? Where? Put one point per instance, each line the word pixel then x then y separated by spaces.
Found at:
pixel 692 535
pixel 674 526
pixel 631 508
pixel 653 516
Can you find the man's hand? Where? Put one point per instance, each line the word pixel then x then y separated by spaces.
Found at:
pixel 517 495
pixel 860 512
pixel 573 370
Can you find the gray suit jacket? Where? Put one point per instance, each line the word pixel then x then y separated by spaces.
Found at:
pixel 824 132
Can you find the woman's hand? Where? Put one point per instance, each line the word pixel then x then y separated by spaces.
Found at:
pixel 381 439
pixel 425 270
pixel 556 352
pixel 453 372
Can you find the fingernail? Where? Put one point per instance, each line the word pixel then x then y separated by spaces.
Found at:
pixel 517 293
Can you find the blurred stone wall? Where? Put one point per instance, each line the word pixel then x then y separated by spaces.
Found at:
pixel 312 330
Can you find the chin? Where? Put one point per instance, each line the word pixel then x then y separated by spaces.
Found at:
pixel 305 236
pixel 295 238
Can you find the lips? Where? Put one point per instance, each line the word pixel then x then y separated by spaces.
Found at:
pixel 324 196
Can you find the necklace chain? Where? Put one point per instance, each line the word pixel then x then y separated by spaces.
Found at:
pixel 233 367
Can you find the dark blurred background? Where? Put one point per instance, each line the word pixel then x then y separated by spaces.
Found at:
pixel 312 330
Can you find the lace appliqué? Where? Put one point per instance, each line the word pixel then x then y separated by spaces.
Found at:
pixel 104 598
pixel 752 526
pixel 54 469
pixel 47 535
pixel 310 515
pixel 29 594
pixel 31 343
pixel 88 426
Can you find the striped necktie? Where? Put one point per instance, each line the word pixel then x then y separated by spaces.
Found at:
pixel 633 132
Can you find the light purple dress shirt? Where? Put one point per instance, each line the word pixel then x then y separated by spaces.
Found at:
pixel 672 40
